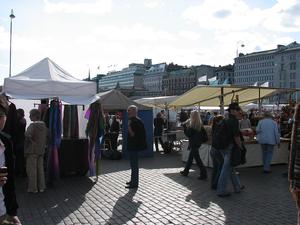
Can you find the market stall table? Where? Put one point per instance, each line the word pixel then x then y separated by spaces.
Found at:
pixel 253 156
pixel 73 156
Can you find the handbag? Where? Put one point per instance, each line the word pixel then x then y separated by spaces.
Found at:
pixel 236 156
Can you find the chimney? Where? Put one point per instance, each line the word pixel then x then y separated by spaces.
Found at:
pixel 147 63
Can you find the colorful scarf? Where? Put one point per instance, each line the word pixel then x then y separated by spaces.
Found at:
pixel 55 139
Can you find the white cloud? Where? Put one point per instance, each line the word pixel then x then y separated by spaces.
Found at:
pixel 283 17
pixel 224 15
pixel 153 3
pixel 189 35
pixel 236 15
pixel 95 7
pixel 137 32
pixel 4 39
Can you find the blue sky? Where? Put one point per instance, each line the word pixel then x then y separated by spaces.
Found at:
pixel 83 34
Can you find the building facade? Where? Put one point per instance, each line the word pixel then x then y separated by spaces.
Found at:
pixel 153 79
pixel 279 67
pixel 225 74
pixel 181 80
pixel 128 78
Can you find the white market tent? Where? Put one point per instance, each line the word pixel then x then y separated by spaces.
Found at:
pixel 203 95
pixel 46 79
pixel 157 102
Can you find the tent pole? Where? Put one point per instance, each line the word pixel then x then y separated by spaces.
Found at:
pixel 222 101
pixel 259 101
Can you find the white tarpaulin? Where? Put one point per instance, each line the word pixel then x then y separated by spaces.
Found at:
pixel 160 102
pixel 210 95
pixel 46 79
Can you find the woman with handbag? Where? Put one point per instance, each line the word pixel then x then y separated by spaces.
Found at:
pixel 197 135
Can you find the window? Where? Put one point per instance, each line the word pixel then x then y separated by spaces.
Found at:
pixel 293 56
pixel 292 75
pixel 292 84
pixel 293 66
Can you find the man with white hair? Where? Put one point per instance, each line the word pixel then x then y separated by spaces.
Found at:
pixel 268 136
pixel 136 141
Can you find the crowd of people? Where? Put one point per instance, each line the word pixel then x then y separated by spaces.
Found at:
pixel 22 151
pixel 228 144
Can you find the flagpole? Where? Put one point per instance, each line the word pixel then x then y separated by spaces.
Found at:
pixel 12 16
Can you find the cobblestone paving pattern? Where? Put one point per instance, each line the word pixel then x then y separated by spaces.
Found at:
pixel 163 197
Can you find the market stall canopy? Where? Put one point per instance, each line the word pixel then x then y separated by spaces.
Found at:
pixel 210 95
pixel 46 79
pixel 157 102
pixel 115 100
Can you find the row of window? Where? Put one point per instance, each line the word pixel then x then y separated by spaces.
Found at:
pixel 254 65
pixel 293 84
pixel 179 80
pixel 180 86
pixel 254 72
pixel 253 79
pixel 254 58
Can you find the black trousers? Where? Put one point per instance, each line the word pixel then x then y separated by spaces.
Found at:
pixel 156 139
pixel 194 154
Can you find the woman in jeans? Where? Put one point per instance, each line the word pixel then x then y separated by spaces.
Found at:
pixel 194 130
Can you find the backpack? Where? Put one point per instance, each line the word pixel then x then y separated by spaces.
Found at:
pixel 220 135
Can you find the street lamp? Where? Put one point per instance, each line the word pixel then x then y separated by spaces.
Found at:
pixel 241 44
pixel 12 16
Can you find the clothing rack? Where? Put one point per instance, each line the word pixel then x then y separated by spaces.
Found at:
pixel 38 104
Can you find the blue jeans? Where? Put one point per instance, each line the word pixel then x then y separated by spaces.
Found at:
pixel 267 155
pixel 226 172
pixel 217 160
pixel 134 165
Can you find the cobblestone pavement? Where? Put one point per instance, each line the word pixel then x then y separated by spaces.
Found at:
pixel 163 197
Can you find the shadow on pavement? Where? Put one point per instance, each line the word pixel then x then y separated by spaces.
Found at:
pixel 266 199
pixel 55 204
pixel 125 205
pixel 158 161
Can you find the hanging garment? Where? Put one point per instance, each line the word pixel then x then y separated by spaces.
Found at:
pixel 55 139
pixel 95 133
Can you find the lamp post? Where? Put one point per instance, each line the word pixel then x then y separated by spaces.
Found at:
pixel 12 16
pixel 239 43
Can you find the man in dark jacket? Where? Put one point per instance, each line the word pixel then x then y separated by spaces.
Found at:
pixel 136 141
pixel 10 199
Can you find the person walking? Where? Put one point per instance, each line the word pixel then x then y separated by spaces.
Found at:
pixel 216 155
pixel 196 134
pixel 233 140
pixel 114 131
pixel 136 142
pixel 35 144
pixel 268 136
pixel 158 130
